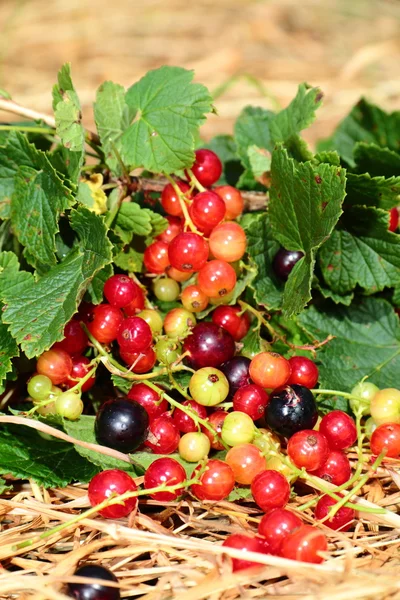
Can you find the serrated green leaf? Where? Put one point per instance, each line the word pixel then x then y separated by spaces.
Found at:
pixel 372 159
pixel 67 112
pixel 8 350
pixel 37 311
pixel 298 115
pixel 372 191
pixel 366 343
pixel 305 205
pixel 67 163
pixel 253 343
pixel 158 223
pixel 252 129
pixel 260 161
pixel 111 114
pixel 329 294
pixel 131 261
pixel 167 111
pixel 396 296
pixel 132 219
pixel 240 493
pixel 330 157
pixel 143 459
pixel 96 286
pixel 121 383
pixel 64 82
pixel 365 253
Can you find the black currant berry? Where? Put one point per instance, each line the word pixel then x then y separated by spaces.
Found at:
pixel 290 409
pixel 94 591
pixel 121 424
pixel 284 262
pixel 236 370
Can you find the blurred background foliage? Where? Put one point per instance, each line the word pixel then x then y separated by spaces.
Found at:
pixel 247 51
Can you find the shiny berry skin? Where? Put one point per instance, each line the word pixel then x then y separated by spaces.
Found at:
pixel 39 387
pixel 276 525
pixel 164 471
pixel 238 428
pixel 134 335
pixel 304 544
pixel 217 278
pixel 188 252
pixel 120 290
pixel 166 289
pixel 208 386
pixel 163 436
pixel 216 420
pixel 308 449
pixel 284 262
pixel 194 446
pixel 386 438
pixel 269 370
pixel 170 200
pixel 291 409
pixel 106 322
pixel 343 519
pixel 304 372
pixel 136 305
pixel 80 368
pixel 175 226
pixel 110 483
pixel 385 406
pixel 247 543
pixel 194 299
pixel 121 424
pixel 228 242
pixel 94 591
pixel 246 461
pixel 270 489
pixel 229 318
pixel 139 362
pixel 168 350
pixel 178 322
pixel 233 199
pixel 75 339
pixel 207 211
pixel 236 370
pixel 252 400
pixel 209 346
pixel 153 319
pixel 151 401
pixel 365 391
pixel 339 429
pixel 393 219
pixel 177 275
pixel 55 364
pixel 336 469
pixel 156 258
pixel 207 167
pixel 216 483
pixel 183 422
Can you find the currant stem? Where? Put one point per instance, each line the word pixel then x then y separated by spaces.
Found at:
pixel 194 181
pixel 182 201
pixel 88 375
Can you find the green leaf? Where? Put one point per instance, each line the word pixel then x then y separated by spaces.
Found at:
pixel 67 111
pixel 298 115
pixel 96 286
pixel 167 111
pixel 131 219
pixel 143 459
pixel 67 163
pixel 131 261
pixel 366 343
pixel 121 383
pixel 158 223
pixel 8 350
pixel 83 429
pixel 26 455
pixel 111 114
pixel 372 191
pixel 374 160
pixel 37 311
pixel 305 205
pixel 240 493
pixel 365 253
pixel 330 157
pixel 260 161
pixel 252 129
pixel 328 293
pixel 253 343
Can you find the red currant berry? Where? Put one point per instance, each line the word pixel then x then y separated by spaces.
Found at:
pixel 134 335
pixel 170 200
pixel 121 424
pixel 336 469
pixel 231 319
pixel 207 167
pixel 252 400
pixel 139 362
pixel 284 262
pixel 109 483
pixel 174 227
pixel 183 422
pixel 193 299
pixel 136 305
pixel 80 368
pixel 342 520
pixel 304 372
pixel 270 489
pixel 155 257
pixel 228 242
pixel 216 483
pixel 233 201
pixel 216 279
pixel 276 525
pixel 120 290
pixel 179 276
pixel 269 370
pixel 207 210
pixel 164 471
pixel 393 219
pixel 188 252
pixel 56 364
pixel 247 543
pixel 216 420
pixel 308 449
pixel 209 346
pixel 305 544
pixel 151 401
pixel 75 339
pixel 106 322
pixel 246 461
pixel 163 437
pixel 94 591
pixel 386 438
pixel 339 429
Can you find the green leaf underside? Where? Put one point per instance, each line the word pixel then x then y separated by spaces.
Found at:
pixel 167 110
pixel 366 343
pixel 37 311
pixel 372 191
pixel 67 111
pixel 373 159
